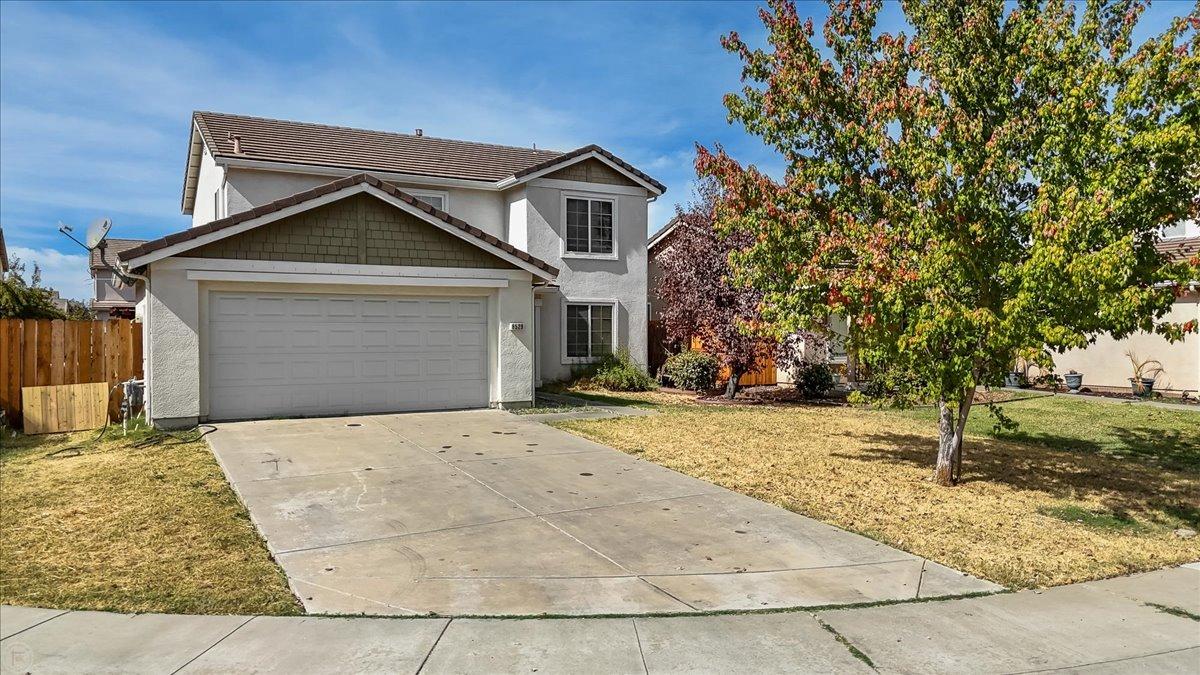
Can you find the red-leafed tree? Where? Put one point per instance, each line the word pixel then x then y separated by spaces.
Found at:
pixel 699 296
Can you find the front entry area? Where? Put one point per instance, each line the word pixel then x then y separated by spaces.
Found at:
pixel 310 354
pixel 487 512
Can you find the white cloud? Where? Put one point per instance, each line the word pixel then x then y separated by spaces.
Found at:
pixel 66 273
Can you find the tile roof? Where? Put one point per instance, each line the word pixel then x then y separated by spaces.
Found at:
pixel 114 247
pixel 345 147
pixel 271 140
pixel 189 234
pixel 1178 249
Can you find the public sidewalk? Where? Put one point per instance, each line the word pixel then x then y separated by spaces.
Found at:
pixel 1143 623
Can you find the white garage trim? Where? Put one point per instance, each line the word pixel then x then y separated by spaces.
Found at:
pixel 350 279
pixel 333 268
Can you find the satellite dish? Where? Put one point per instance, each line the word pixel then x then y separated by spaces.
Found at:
pixel 96 232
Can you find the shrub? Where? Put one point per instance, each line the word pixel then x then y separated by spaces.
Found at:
pixel 617 372
pixel 692 370
pixel 814 379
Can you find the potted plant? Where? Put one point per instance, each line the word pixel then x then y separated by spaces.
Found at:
pixel 1145 372
pixel 1074 380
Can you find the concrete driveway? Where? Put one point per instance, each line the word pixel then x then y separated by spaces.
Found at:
pixel 484 512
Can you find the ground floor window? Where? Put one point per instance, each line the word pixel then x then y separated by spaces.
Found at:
pixel 589 333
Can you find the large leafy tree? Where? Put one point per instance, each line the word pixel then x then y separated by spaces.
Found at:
pixel 987 183
pixel 699 296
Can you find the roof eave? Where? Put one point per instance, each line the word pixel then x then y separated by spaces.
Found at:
pixel 320 168
pixel 191 171
pixel 658 237
pixel 580 155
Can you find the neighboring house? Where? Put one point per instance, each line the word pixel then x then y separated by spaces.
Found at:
pixel 3 255
pixel 658 245
pixel 332 270
pixel 111 297
pixel 1104 363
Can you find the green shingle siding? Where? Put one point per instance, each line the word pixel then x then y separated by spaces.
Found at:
pixel 356 230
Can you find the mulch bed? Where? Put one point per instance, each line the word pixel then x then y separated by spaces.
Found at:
pixel 772 395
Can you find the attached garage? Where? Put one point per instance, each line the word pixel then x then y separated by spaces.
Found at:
pixel 349 298
pixel 296 354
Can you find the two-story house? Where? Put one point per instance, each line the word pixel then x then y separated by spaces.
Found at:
pixel 112 298
pixel 331 270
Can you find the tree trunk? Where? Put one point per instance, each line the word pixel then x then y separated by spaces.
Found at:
pixel 952 423
pixel 731 386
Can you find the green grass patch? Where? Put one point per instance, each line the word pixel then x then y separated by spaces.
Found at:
pixel 138 523
pixel 1096 519
pixel 1148 434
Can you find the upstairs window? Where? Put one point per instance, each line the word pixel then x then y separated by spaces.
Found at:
pixel 435 199
pixel 589 226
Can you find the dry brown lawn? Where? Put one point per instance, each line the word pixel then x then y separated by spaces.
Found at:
pixel 1027 515
pixel 121 528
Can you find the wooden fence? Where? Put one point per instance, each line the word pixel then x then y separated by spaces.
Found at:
pixel 765 373
pixel 44 352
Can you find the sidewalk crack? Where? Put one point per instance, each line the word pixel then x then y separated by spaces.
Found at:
pixel 206 649
pixel 641 652
pixel 854 651
pixel 433 647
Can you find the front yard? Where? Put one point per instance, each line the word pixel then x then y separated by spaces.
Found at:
pixel 1083 490
pixel 131 529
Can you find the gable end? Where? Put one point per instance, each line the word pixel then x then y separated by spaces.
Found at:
pixel 357 230
pixel 592 171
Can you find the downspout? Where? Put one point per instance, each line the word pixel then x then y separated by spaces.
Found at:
pixel 147 352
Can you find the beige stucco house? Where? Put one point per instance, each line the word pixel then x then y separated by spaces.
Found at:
pixel 1104 364
pixel 112 296
pixel 331 270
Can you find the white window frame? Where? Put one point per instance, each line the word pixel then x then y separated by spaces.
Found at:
pixel 431 193
pixel 562 333
pixel 591 197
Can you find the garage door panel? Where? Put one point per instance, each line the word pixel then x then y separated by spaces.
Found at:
pixel 276 354
pixel 468 337
pixel 376 338
pixel 471 310
pixel 469 368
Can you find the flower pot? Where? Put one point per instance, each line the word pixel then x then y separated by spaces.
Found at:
pixel 1074 381
pixel 1145 389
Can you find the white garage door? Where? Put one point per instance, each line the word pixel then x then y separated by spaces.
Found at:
pixel 289 354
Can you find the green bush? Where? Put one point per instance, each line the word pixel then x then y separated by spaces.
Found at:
pixel 692 370
pixel 617 372
pixel 814 380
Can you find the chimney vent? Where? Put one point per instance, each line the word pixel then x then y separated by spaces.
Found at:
pixel 420 132
pixel 237 143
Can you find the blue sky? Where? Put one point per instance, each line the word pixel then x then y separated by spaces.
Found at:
pixel 95 99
